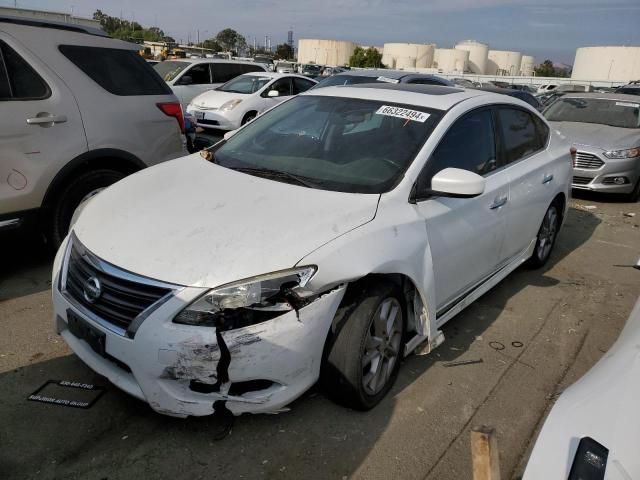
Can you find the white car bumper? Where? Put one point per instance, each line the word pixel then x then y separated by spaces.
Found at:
pixel 256 369
pixel 215 118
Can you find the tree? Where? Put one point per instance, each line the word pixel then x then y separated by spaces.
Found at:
pixel 548 69
pixel 127 30
pixel 369 58
pixel 212 44
pixel 284 51
pixel 231 41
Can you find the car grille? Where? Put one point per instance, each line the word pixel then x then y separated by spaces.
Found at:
pixel 582 180
pixel 587 161
pixel 121 300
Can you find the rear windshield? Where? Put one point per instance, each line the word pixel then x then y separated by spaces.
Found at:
pixel 330 143
pixel 169 70
pixel 347 80
pixel 611 112
pixel 120 72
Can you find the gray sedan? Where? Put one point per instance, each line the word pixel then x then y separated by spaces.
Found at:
pixel 605 130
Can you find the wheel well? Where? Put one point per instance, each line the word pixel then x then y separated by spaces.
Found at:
pixel 102 159
pixel 250 112
pixel 561 200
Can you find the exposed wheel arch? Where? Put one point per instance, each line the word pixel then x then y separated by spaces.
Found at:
pixel 249 115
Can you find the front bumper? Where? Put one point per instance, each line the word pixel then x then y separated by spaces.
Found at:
pixel 166 364
pixel 601 179
pixel 215 118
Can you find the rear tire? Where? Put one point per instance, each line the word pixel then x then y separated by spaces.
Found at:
pixel 546 238
pixel 77 191
pixel 363 356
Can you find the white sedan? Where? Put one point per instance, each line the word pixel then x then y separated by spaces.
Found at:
pixel 327 239
pixel 244 98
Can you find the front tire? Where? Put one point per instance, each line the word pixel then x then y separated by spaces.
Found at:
pixel 77 192
pixel 249 117
pixel 364 354
pixel 547 235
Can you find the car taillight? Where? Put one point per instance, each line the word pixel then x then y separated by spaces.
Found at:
pixel 173 109
pixel 573 151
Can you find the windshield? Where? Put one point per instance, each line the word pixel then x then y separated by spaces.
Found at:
pixel 169 70
pixel 603 111
pixel 245 84
pixel 341 144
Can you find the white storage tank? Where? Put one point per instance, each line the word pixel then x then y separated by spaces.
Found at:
pixel 333 53
pixel 449 60
pixel 422 53
pixel 403 63
pixel 388 61
pixel 478 54
pixel 527 66
pixel 503 62
pixel 616 64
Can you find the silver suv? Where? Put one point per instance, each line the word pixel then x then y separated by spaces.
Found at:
pixel 78 112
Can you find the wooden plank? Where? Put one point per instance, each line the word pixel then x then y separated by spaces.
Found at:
pixel 484 453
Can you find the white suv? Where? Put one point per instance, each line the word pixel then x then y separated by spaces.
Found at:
pixel 78 111
pixel 328 238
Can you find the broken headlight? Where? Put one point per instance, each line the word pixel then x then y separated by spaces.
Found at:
pixel 247 302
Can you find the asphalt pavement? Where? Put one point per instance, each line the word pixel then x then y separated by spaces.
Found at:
pixel 504 361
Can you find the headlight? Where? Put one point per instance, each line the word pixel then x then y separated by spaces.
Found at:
pixel 628 153
pixel 230 105
pixel 247 302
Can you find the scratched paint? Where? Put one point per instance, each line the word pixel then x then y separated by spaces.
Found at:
pixel 17 180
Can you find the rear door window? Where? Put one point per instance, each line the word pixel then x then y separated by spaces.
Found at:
pixel 18 81
pixel 120 72
pixel 519 134
pixel 245 68
pixel 199 74
pixel 223 72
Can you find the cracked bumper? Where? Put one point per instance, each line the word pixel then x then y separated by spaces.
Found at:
pixel 281 357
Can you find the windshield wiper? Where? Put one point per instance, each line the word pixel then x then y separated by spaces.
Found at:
pixel 276 174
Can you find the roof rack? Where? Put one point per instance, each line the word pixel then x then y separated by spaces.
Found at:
pixel 34 22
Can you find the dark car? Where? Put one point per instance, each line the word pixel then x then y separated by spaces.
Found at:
pixel 520 94
pixel 632 88
pixel 353 77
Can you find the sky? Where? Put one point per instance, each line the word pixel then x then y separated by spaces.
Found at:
pixel 544 29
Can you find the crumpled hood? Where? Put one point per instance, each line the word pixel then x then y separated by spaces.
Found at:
pixel 215 98
pixel 600 136
pixel 194 223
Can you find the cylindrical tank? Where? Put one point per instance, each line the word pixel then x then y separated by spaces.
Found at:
pixel 332 53
pixel 478 53
pixel 450 60
pixel 422 53
pixel 527 65
pixel 405 62
pixel 388 61
pixel 617 64
pixel 503 62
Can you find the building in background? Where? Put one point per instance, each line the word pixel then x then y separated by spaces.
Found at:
pixel 478 55
pixel 451 60
pixel 290 38
pixel 503 62
pixel 333 53
pixel 50 16
pixel 527 66
pixel 618 64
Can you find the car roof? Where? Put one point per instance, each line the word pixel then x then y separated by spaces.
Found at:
pixel 34 22
pixel 606 96
pixel 429 96
pixel 211 60
pixel 276 75
pixel 393 74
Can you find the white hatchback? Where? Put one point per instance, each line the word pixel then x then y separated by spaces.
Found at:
pixel 328 238
pixel 244 98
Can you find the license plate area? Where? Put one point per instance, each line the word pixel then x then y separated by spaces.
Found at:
pixel 82 330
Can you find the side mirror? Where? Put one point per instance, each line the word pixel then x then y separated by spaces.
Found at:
pixel 185 80
pixel 273 93
pixel 229 134
pixel 455 182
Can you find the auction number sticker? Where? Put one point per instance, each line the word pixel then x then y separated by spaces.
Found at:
pixel 388 80
pixel 625 104
pixel 405 113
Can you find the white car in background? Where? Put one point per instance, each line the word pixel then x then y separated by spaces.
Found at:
pixel 244 98
pixel 328 238
pixel 546 88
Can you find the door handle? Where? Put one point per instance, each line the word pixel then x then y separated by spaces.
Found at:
pixel 547 178
pixel 498 202
pixel 46 118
